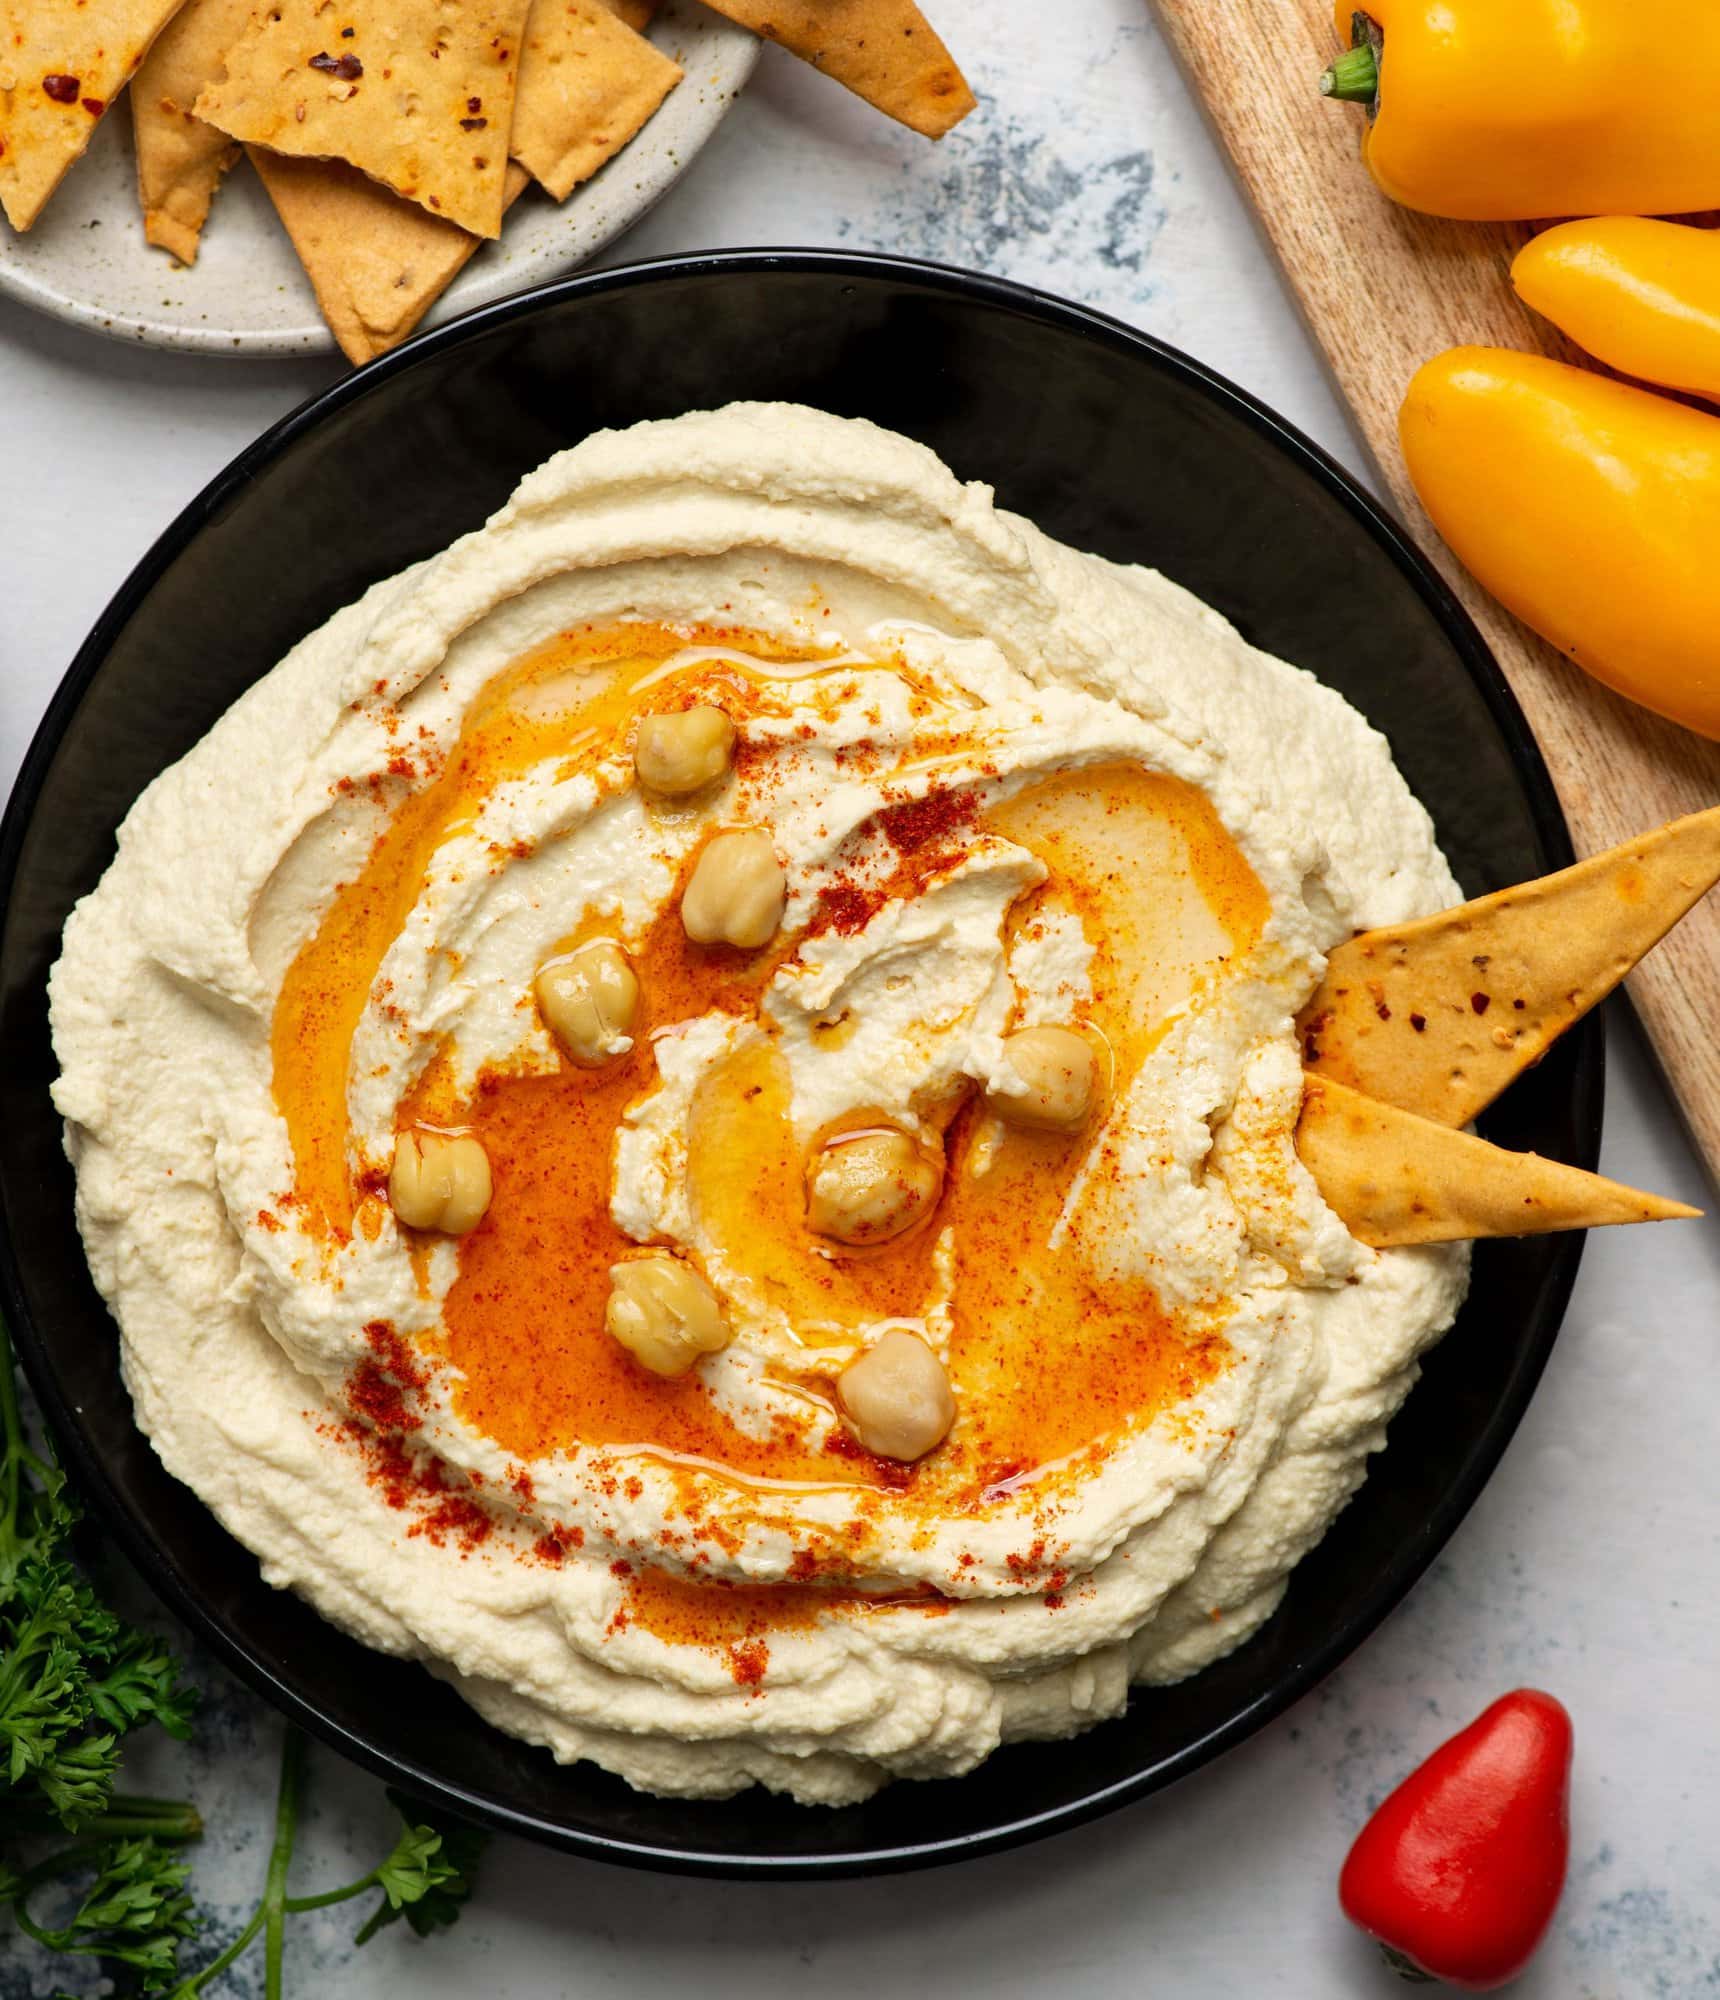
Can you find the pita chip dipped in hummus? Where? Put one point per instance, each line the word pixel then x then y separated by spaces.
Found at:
pixel 727 1126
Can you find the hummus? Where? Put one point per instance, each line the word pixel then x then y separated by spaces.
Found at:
pixel 1007 785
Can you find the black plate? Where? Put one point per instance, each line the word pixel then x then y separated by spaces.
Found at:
pixel 1110 442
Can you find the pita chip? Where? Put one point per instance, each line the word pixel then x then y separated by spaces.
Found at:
pixel 61 66
pixel 587 84
pixel 638 14
pixel 1395 1178
pixel 417 94
pixel 180 160
pixel 1439 1015
pixel 885 51
pixel 376 263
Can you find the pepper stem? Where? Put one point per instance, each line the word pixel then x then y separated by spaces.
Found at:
pixel 1404 1966
pixel 1355 76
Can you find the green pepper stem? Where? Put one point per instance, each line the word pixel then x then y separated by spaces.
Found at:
pixel 1404 1966
pixel 1355 77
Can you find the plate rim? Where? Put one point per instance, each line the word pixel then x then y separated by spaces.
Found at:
pixel 313 338
pixel 156 1562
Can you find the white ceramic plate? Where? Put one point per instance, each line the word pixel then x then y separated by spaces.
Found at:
pixel 86 259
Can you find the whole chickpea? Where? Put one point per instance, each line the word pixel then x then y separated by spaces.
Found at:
pixel 589 1000
pixel 663 1312
pixel 1059 1080
pixel 680 754
pixel 898 1397
pixel 736 892
pixel 872 1186
pixel 439 1181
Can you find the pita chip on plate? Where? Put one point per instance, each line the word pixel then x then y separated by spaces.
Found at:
pixel 1437 1016
pixel 885 51
pixel 418 94
pixel 180 160
pixel 377 263
pixel 1396 1178
pixel 62 63
pixel 588 82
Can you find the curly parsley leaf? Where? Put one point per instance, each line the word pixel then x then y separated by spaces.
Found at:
pixel 430 1876
pixel 134 1911
pixel 36 1512
pixel 142 1683
pixel 75 1680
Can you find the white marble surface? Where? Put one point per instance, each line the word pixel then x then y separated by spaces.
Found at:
pixel 1590 1564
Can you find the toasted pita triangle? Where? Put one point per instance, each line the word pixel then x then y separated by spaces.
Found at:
pixel 61 66
pixel 416 93
pixel 1395 1178
pixel 180 160
pixel 376 263
pixel 587 84
pixel 885 51
pixel 1438 1016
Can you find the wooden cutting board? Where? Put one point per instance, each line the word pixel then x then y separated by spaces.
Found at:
pixel 1382 291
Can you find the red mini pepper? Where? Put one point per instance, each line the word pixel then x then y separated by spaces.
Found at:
pixel 1459 1872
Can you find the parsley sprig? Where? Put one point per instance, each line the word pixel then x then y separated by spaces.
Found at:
pixel 75 1681
pixel 426 1879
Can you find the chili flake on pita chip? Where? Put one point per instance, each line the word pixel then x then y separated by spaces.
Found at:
pixel 376 263
pixel 588 82
pixel 1439 1015
pixel 416 94
pixel 1396 1179
pixel 61 66
pixel 885 51
pixel 180 160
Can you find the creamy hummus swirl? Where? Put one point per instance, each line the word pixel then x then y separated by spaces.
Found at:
pixel 1009 785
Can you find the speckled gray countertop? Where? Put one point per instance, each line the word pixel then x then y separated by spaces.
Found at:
pixel 1590 1565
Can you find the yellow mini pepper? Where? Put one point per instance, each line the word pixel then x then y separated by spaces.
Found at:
pixel 1502 110
pixel 1589 508
pixel 1642 296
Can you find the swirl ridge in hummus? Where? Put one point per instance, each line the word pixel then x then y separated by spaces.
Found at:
pixel 1009 785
